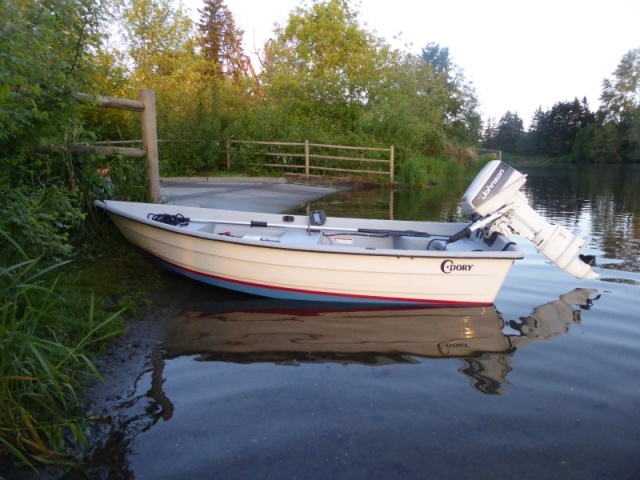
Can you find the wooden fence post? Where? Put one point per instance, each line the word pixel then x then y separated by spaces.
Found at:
pixel 391 164
pixel 150 142
pixel 306 159
pixel 228 155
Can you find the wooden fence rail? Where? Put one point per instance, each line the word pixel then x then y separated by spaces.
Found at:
pixel 146 105
pixel 307 155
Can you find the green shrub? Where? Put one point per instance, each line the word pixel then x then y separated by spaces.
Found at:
pixel 412 174
pixel 129 179
pixel 40 220
pixel 419 173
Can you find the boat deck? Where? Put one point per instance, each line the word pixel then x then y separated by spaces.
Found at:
pixel 373 241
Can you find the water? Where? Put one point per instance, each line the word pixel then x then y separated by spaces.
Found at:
pixel 543 385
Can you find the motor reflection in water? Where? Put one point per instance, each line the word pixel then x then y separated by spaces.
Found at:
pixel 293 333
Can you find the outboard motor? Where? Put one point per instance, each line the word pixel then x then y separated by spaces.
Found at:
pixel 495 192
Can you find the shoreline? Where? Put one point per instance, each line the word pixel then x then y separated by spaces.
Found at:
pixel 131 356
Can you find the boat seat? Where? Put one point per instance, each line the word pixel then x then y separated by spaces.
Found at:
pixel 407 242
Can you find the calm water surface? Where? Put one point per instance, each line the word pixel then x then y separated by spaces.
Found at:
pixel 546 384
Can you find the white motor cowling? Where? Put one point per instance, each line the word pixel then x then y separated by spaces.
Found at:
pixel 493 188
pixel 497 188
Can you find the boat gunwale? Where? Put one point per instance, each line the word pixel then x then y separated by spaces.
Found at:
pixel 516 254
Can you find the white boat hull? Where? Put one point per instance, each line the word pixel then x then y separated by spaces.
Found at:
pixel 320 264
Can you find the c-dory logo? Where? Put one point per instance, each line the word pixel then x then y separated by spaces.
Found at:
pixel 448 266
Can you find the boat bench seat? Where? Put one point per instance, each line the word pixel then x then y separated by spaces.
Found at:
pixel 406 242
pixel 301 237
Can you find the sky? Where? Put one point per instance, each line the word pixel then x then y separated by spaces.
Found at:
pixel 519 54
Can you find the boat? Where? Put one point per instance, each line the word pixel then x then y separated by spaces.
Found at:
pixel 294 333
pixel 320 258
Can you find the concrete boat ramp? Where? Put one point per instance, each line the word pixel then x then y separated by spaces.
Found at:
pixel 266 195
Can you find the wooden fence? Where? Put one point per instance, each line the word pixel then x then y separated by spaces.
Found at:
pixel 305 152
pixel 146 105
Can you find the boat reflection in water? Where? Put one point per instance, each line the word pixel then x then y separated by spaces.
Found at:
pixel 293 333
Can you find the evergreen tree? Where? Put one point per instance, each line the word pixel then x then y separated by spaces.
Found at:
pixel 221 40
pixel 489 134
pixel 510 130
pixel 554 132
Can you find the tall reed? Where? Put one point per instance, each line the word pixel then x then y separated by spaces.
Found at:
pixel 43 360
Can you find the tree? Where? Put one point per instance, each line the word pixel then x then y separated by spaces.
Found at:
pixel 322 61
pixel 489 134
pixel 564 121
pixel 439 59
pixel 221 40
pixel 323 68
pixel 620 108
pixel 621 96
pixel 45 47
pixel 407 107
pixel 159 39
pixel 554 132
pixel 461 115
pixel 45 54
pixel 324 77
pixel 510 130
pixel 598 144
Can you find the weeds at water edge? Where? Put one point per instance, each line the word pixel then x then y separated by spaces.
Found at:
pixel 43 362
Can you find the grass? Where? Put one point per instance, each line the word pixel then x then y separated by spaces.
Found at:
pixel 50 327
pixel 520 159
pixel 426 172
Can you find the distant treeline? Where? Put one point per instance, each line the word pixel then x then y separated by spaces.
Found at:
pixel 571 131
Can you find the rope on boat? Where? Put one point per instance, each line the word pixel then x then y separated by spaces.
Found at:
pixel 177 220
